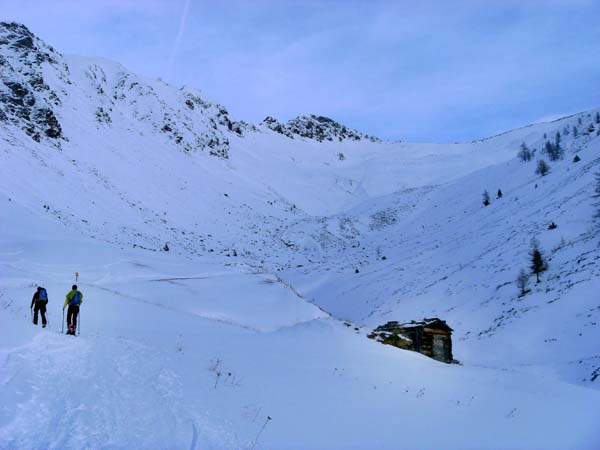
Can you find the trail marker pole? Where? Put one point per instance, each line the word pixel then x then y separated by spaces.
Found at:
pixel 76 276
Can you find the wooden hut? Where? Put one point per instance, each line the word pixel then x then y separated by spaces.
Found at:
pixel 431 337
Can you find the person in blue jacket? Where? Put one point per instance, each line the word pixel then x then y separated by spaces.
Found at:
pixel 38 305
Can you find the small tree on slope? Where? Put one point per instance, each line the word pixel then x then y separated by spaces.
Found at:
pixel 538 264
pixel 542 168
pixel 524 153
pixel 486 198
pixel 522 280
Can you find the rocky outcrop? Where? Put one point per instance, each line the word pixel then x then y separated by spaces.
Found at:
pixel 26 100
pixel 318 128
pixel 42 92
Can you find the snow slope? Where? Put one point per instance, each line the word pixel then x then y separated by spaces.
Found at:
pixel 447 255
pixel 241 320
pixel 161 364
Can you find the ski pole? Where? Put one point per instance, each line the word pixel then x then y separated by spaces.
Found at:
pixel 63 322
pixel 79 323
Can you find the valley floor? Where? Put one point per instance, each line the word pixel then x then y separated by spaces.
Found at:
pixel 178 353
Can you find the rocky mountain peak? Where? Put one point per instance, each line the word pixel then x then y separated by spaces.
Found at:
pixel 319 128
pixel 25 45
pixel 26 100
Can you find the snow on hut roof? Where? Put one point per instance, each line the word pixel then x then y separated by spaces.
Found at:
pixel 433 322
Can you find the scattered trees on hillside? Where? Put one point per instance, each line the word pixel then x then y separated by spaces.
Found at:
pixel 576 159
pixel 542 168
pixel 597 117
pixel 486 198
pixel 538 263
pixel 166 248
pixel 499 195
pixel 575 131
pixel 596 196
pixel 524 153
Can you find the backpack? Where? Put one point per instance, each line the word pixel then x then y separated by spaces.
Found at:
pixel 76 299
pixel 42 296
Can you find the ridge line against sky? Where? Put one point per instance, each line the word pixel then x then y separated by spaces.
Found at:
pixel 438 71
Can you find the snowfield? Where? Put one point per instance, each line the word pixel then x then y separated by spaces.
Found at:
pixel 284 252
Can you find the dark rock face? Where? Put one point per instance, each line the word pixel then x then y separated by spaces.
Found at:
pixel 278 127
pixel 25 98
pixel 319 128
pixel 102 116
pixel 46 118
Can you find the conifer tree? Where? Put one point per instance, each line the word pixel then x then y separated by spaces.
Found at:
pixel 538 264
pixel 524 153
pixel 554 150
pixel 522 280
pixel 486 198
pixel 542 168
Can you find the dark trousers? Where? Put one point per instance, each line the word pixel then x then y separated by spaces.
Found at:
pixel 41 308
pixel 72 314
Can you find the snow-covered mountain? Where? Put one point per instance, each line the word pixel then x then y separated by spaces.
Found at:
pixel 286 244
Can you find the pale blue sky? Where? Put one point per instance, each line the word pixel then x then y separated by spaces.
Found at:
pixel 438 71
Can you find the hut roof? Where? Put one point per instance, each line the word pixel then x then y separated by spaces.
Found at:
pixel 433 322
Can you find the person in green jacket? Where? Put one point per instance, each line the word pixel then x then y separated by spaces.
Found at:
pixel 73 300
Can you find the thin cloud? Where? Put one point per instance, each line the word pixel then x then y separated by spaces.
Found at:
pixel 178 38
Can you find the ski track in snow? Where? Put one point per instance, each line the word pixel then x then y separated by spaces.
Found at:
pixel 75 404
